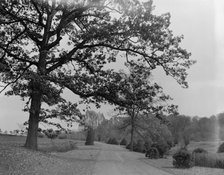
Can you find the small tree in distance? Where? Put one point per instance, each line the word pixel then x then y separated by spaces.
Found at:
pixel 142 97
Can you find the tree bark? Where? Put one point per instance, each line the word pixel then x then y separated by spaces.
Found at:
pixel 90 136
pixel 31 140
pixel 132 134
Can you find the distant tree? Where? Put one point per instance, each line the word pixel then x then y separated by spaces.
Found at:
pixel 142 97
pixel 46 46
pixel 92 120
pixel 179 127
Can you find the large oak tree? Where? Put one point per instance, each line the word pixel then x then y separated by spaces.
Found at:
pixel 49 45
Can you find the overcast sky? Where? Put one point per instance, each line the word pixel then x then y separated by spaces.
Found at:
pixel 201 23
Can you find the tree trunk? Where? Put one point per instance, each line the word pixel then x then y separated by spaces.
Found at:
pixel 90 136
pixel 31 140
pixel 132 134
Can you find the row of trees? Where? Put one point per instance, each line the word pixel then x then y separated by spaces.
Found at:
pixel 197 129
pixel 49 46
pixel 176 129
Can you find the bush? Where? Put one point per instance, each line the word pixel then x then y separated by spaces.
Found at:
pixel 199 151
pixel 40 135
pixel 62 136
pixel 123 142
pixel 182 159
pixel 148 144
pixel 109 141
pixel 50 133
pixel 209 160
pixel 112 141
pixel 129 146
pixel 152 153
pixel 221 148
pixel 140 146
pixel 162 147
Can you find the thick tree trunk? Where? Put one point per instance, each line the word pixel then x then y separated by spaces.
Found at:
pixel 31 140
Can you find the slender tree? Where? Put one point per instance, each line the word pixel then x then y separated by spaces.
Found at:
pixel 142 97
pixel 49 45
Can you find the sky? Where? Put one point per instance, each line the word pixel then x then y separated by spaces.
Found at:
pixel 201 23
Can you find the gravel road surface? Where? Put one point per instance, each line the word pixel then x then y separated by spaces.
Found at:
pixel 115 160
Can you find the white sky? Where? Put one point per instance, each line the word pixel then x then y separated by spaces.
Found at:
pixel 201 23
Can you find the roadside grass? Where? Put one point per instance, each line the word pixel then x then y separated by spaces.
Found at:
pixel 44 144
pixel 211 160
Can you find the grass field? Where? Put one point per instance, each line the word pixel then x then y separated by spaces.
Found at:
pixel 44 144
pixel 50 160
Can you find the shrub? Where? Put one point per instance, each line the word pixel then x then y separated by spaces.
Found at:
pixel 123 142
pixel 199 151
pixel 109 141
pixel 139 146
pixel 129 146
pixel 147 144
pixel 40 135
pixel 221 148
pixel 50 133
pixel 182 159
pixel 209 160
pixel 62 136
pixel 162 147
pixel 152 153
pixel 112 141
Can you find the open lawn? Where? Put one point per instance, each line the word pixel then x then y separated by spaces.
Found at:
pixel 51 160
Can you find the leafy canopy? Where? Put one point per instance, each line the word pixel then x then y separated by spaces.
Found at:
pixel 47 46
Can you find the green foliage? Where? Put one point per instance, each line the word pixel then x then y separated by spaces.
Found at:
pixel 182 159
pixel 221 148
pixel 123 142
pixel 152 153
pixel 210 160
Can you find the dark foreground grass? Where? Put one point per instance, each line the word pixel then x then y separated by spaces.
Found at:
pixel 44 144
pixel 211 160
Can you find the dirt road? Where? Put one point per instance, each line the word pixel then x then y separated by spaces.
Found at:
pixel 115 160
